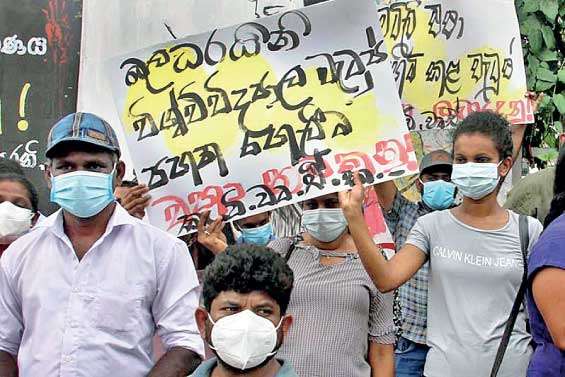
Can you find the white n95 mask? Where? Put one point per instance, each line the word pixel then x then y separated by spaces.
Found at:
pixel 14 220
pixel 244 340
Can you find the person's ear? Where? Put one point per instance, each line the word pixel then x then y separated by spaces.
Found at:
pixel 201 317
pixel 505 167
pixel 419 185
pixel 47 175
pixel 120 172
pixel 286 324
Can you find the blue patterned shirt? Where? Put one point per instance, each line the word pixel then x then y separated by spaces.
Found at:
pixel 413 295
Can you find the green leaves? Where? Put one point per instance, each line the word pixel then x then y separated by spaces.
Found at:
pixel 559 101
pixel 561 75
pixel 542 25
pixel 536 40
pixel 546 154
pixel 549 8
pixel 548 55
pixel 548 36
pixel 530 6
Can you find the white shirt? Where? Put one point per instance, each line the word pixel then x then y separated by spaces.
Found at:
pixel 96 317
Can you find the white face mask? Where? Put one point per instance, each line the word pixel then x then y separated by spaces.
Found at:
pixel 475 180
pixel 14 220
pixel 244 340
pixel 324 224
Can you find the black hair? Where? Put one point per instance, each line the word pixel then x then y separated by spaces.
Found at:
pixel 246 268
pixel 558 203
pixel 21 179
pixel 490 124
pixel 8 166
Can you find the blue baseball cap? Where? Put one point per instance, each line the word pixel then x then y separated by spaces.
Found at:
pixel 85 128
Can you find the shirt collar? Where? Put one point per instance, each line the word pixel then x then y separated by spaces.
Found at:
pixel 119 217
pixel 205 369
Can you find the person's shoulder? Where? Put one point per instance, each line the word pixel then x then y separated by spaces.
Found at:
pixel 402 203
pixel 555 234
pixel 23 246
pixel 534 225
pixel 282 245
pixel 537 178
pixel 531 184
pixel 550 248
pixel 204 369
pixel 286 369
pixel 557 227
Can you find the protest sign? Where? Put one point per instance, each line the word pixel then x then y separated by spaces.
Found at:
pixel 263 114
pixel 39 61
pixel 450 58
pixel 136 24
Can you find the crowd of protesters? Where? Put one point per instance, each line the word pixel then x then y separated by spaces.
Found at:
pixel 87 290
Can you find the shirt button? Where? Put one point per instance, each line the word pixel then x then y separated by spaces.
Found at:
pixel 76 289
pixel 67 359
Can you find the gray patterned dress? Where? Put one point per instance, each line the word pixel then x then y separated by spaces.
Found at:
pixel 337 311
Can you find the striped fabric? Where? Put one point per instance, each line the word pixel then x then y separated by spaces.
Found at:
pixel 413 294
pixel 337 311
pixel 286 220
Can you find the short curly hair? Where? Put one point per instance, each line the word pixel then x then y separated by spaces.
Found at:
pixel 490 124
pixel 246 268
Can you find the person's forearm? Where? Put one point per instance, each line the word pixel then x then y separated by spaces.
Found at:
pixel 374 262
pixel 8 365
pixel 175 363
pixel 518 131
pixel 383 365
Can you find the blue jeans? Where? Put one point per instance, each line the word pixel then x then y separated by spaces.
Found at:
pixel 410 358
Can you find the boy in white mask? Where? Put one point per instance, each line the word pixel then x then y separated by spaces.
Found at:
pixel 246 291
pixel 344 325
pixel 18 208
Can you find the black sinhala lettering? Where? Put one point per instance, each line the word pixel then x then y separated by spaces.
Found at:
pixel 448 75
pixel 288 39
pixel 158 177
pixel 142 120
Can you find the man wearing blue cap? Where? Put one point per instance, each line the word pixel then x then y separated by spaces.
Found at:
pixel 85 291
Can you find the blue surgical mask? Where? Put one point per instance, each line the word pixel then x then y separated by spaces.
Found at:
pixel 258 236
pixel 83 193
pixel 438 195
pixel 324 224
pixel 475 180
